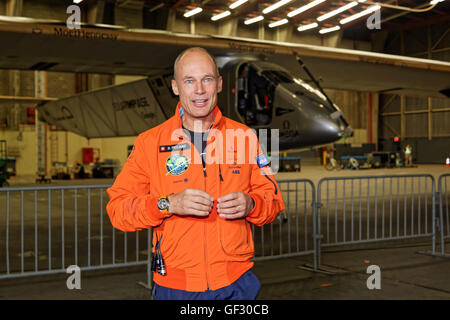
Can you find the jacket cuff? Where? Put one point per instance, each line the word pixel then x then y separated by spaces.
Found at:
pixel 256 208
pixel 151 205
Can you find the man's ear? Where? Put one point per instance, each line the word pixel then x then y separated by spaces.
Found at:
pixel 219 84
pixel 174 87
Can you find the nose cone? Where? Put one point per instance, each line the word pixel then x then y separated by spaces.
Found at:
pixel 317 123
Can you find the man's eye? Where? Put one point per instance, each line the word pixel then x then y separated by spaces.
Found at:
pixel 188 81
pixel 208 79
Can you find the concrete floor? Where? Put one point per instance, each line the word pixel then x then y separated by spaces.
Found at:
pixel 405 274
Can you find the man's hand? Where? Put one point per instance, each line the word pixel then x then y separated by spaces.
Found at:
pixel 191 202
pixel 234 205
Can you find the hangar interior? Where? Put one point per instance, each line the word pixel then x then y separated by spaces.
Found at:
pixel 376 117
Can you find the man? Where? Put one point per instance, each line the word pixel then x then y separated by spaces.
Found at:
pixel 200 208
pixel 408 156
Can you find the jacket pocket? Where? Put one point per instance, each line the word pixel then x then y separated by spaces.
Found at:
pixel 235 237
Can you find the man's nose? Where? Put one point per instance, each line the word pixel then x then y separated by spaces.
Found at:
pixel 199 88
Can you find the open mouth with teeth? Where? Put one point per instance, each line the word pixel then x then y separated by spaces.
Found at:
pixel 200 102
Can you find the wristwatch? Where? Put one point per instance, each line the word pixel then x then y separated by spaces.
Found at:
pixel 163 206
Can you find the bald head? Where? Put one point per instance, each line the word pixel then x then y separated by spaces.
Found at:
pixel 189 50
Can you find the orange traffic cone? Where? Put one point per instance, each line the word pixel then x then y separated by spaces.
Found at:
pixel 447 162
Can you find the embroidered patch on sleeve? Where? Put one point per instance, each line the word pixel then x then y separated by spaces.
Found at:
pixel 262 161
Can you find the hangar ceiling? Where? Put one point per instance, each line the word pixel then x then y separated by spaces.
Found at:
pixel 392 19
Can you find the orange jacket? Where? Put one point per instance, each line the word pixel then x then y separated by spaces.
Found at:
pixel 199 253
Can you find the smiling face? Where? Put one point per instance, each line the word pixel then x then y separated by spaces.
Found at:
pixel 197 84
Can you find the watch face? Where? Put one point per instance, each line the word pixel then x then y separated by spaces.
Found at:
pixel 163 204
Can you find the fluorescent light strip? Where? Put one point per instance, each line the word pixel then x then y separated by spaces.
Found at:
pixel 322 31
pixel 337 11
pixel 360 14
pixel 77 1
pixel 275 6
pixel 253 20
pixel 304 8
pixel 221 15
pixel 307 26
pixel 192 12
pixel 236 4
pixel 278 23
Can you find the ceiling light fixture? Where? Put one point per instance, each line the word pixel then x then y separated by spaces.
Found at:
pixel 221 15
pixel 308 26
pixel 192 12
pixel 326 30
pixel 360 14
pixel 236 4
pixel 275 6
pixel 253 20
pixel 278 23
pixel 337 11
pixel 304 8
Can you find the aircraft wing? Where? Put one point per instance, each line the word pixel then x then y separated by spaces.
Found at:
pixel 28 44
pixel 121 110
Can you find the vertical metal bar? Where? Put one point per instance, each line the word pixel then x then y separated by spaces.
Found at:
pixel 76 226
pixel 297 236
pixel 35 233
pixel 343 212
pixel 125 246
pixel 426 206
pixel 419 193
pixel 368 209
pixel 49 230
pixel 262 239
pixel 137 245
pixel 7 232
pixel 376 207
pixel 360 209
pixel 305 215
pixel 335 212
pixel 328 213
pixel 382 218
pixel 101 226
pixel 62 228
pixel 280 233
pixel 289 218
pixel 89 227
pixel 398 207
pixel 446 209
pixel 21 231
pixel 272 245
pixel 353 205
pixel 404 207
pixel 390 208
pixel 412 205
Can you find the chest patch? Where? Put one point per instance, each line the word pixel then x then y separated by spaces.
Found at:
pixel 177 164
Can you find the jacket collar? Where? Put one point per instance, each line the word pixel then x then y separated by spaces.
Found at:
pixel 179 113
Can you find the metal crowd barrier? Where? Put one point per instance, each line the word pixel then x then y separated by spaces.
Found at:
pixel 355 210
pixel 291 234
pixel 44 230
pixel 443 196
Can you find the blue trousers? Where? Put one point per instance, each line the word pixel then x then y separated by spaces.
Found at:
pixel 245 288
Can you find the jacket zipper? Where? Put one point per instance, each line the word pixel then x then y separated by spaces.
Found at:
pixel 274 185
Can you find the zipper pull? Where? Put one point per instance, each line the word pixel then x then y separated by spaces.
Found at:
pixel 220 174
pixel 204 171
